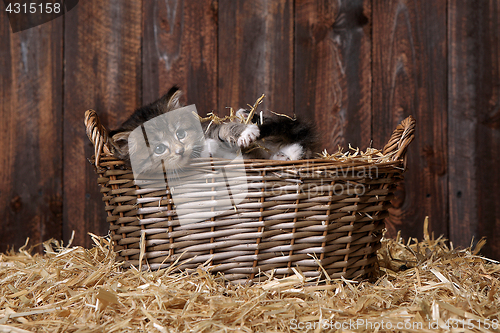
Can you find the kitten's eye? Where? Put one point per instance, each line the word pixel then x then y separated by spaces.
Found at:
pixel 181 134
pixel 160 149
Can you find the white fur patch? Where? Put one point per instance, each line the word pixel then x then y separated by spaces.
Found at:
pixel 242 113
pixel 214 148
pixel 289 153
pixel 209 149
pixel 249 135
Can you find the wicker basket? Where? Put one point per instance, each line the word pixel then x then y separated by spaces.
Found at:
pixel 325 218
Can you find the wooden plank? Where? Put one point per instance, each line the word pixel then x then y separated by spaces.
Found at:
pixel 102 72
pixel 410 78
pixel 180 48
pixel 332 70
pixel 474 122
pixel 256 54
pixel 30 134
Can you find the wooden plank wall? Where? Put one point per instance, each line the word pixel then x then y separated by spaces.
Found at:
pixel 259 57
pixel 474 121
pixel 333 69
pixel 31 113
pixel 180 48
pixel 410 78
pixel 102 72
pixel 356 68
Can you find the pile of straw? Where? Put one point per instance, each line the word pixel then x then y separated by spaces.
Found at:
pixel 370 155
pixel 423 286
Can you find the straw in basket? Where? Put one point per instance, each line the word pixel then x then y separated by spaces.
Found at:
pixel 321 217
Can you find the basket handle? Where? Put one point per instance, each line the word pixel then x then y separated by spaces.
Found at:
pixel 97 134
pixel 402 136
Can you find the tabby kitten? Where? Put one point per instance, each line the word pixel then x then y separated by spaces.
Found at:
pixel 167 143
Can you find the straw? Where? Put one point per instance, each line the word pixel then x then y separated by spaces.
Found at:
pixel 422 286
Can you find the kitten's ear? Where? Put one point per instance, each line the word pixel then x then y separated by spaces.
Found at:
pixel 170 101
pixel 173 102
pixel 120 143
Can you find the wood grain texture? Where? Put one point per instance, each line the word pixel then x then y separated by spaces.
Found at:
pixel 256 54
pixel 355 68
pixel 102 72
pixel 180 48
pixel 474 123
pixel 332 70
pixel 410 78
pixel 30 134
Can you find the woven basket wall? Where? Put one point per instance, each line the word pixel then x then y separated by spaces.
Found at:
pixel 317 216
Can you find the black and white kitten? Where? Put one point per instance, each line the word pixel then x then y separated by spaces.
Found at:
pixel 174 141
pixel 280 137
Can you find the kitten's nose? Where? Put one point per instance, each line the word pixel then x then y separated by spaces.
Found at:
pixel 180 151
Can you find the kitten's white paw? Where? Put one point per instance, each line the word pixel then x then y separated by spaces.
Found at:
pixel 249 135
pixel 289 153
